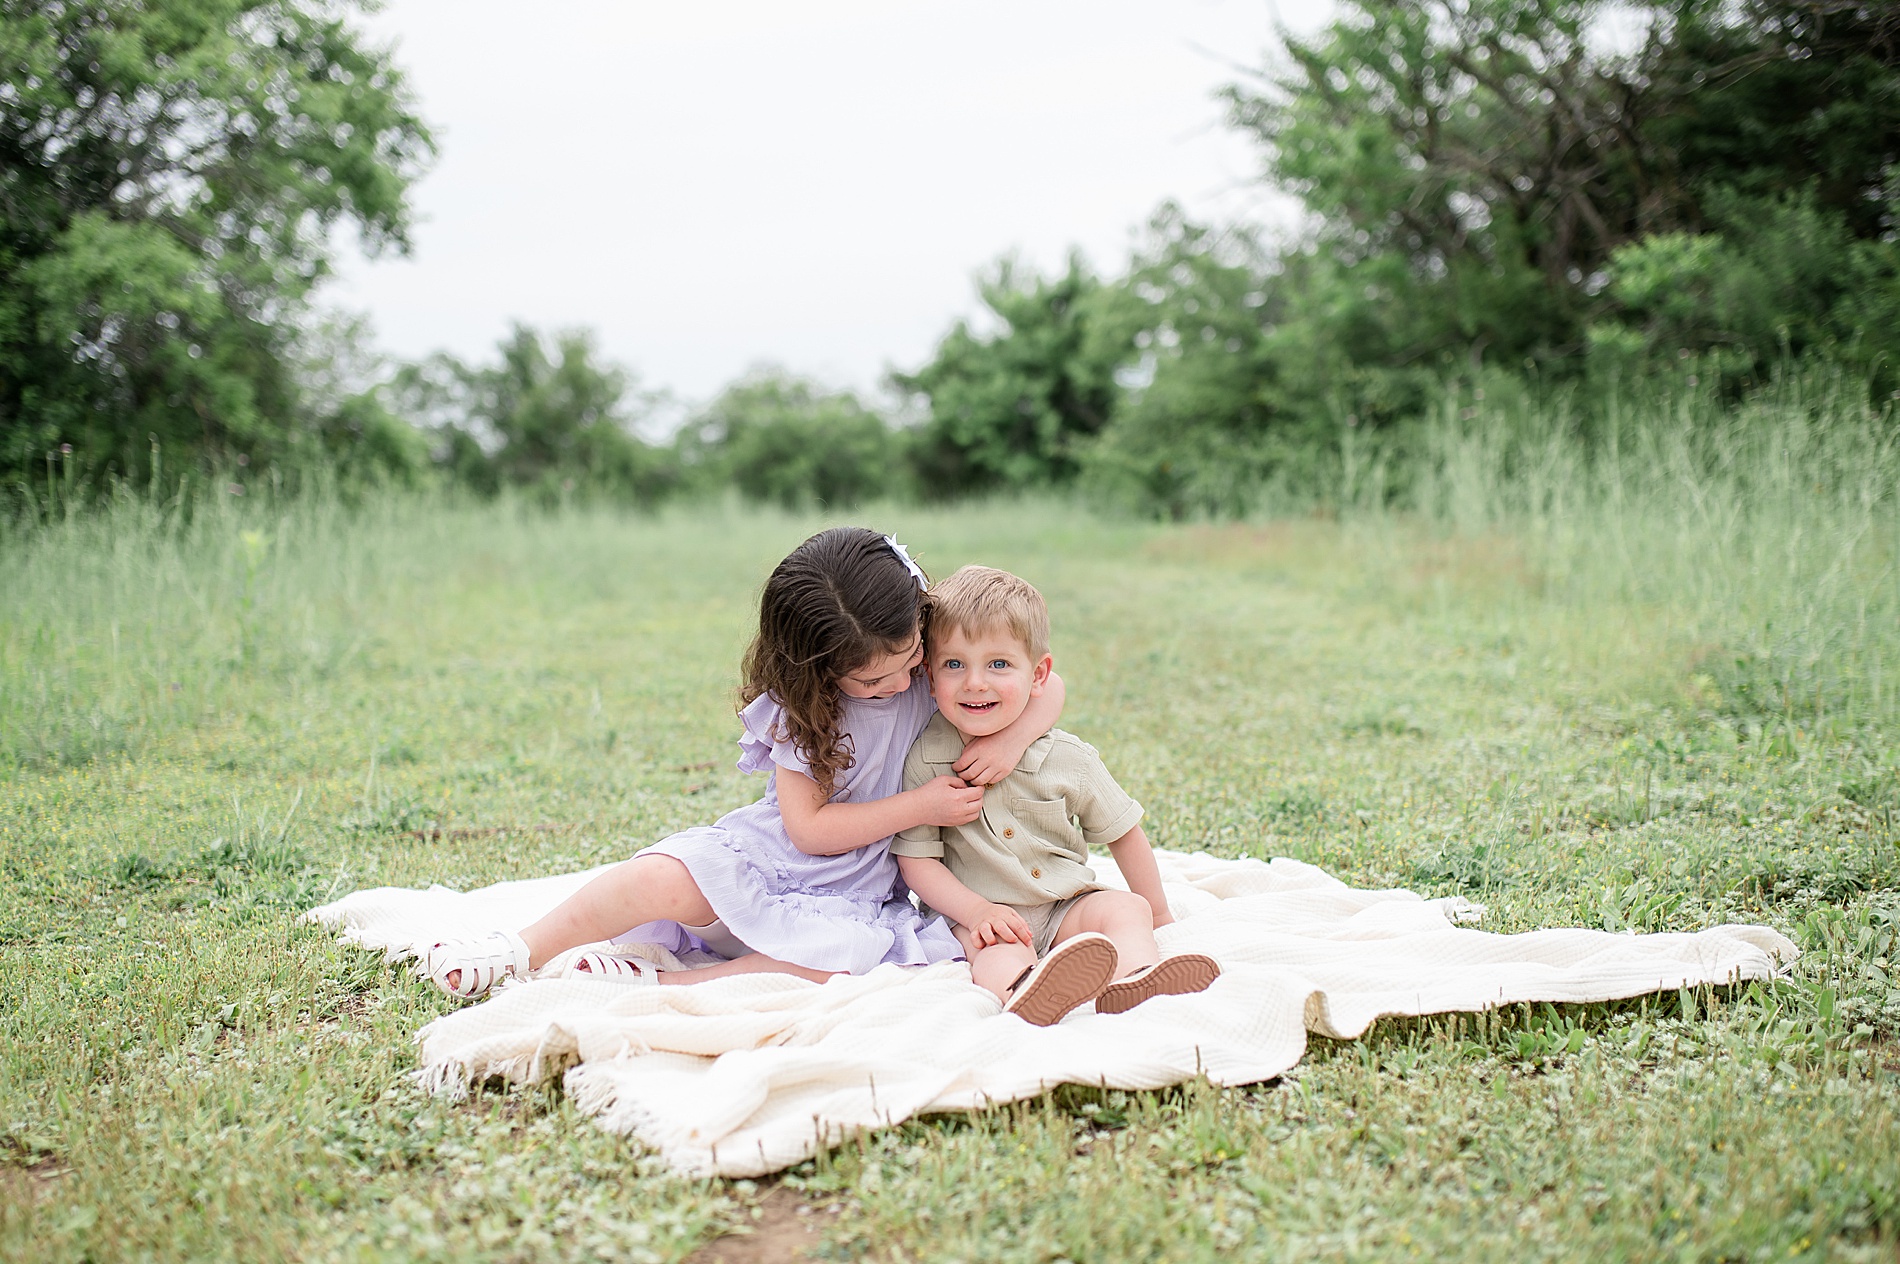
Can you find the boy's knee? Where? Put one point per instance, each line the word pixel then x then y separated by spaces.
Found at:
pixel 1123 906
pixel 1007 955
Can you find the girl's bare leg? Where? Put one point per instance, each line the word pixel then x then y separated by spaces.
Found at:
pixel 751 963
pixel 650 888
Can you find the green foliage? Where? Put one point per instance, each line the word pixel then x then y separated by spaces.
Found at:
pixel 1237 395
pixel 1491 186
pixel 1202 420
pixel 1776 276
pixel 1765 97
pixel 362 438
pixel 1013 410
pixel 1470 167
pixel 1475 165
pixel 550 420
pixel 170 173
pixel 783 440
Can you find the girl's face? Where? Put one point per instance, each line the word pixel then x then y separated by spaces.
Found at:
pixel 885 675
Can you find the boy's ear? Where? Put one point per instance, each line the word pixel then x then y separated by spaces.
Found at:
pixel 1039 675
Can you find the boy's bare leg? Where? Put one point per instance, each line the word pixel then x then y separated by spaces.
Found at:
pixel 1125 918
pixel 997 967
pixel 651 888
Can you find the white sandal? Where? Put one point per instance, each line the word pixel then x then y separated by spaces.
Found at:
pixel 607 965
pixel 479 964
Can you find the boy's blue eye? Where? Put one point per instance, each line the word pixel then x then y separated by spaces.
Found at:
pixel 998 664
pixel 952 663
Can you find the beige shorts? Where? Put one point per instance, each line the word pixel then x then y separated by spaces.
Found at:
pixel 1046 919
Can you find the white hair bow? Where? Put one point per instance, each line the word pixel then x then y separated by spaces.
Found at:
pixel 903 555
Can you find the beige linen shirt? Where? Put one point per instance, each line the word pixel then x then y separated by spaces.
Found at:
pixel 1031 843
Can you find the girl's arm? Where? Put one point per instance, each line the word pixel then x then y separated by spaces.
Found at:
pixel 818 828
pixel 1136 859
pixel 987 760
pixel 989 922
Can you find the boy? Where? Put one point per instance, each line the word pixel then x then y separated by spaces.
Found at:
pixel 1039 931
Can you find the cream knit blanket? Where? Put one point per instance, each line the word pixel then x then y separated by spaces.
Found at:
pixel 746 1075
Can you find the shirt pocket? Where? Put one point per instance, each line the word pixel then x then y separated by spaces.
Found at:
pixel 1048 819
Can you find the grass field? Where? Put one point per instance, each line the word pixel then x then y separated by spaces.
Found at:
pixel 1652 690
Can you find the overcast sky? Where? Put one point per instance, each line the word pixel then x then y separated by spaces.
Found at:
pixel 722 183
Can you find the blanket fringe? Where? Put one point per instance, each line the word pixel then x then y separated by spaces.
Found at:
pixel 451 1079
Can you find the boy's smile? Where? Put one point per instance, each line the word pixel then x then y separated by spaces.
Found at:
pixel 983 681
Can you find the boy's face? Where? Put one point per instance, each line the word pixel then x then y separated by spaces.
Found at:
pixel 983 680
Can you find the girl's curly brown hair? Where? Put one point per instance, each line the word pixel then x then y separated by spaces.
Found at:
pixel 841 599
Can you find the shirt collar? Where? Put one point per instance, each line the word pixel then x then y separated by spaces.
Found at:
pixel 944 745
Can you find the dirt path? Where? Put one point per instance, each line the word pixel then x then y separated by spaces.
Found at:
pixel 787 1227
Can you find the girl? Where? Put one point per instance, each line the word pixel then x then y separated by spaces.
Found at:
pixel 802 881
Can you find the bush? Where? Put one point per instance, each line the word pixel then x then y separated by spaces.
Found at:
pixel 551 420
pixel 785 440
pixel 1014 410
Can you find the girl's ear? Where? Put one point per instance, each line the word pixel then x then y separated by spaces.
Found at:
pixel 1039 675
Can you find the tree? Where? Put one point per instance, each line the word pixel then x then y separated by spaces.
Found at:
pixel 555 422
pixel 785 440
pixel 170 174
pixel 1471 164
pixel 1766 97
pixel 341 383
pixel 1014 409
pixel 1187 434
pixel 1474 165
pixel 1783 131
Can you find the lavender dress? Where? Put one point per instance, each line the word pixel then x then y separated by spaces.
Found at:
pixel 845 913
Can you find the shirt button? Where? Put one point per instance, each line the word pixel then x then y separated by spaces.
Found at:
pixel 1009 831
pixel 1035 873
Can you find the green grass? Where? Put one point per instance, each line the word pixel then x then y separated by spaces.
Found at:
pixel 1654 691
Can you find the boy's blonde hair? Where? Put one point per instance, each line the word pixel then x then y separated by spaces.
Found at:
pixel 980 598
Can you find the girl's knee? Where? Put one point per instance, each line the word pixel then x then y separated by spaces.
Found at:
pixel 662 886
pixel 654 867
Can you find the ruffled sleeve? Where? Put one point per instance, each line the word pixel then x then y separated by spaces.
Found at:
pixel 766 742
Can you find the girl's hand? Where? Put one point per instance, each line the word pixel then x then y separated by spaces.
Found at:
pixel 1163 918
pixel 987 760
pixel 949 801
pixel 997 923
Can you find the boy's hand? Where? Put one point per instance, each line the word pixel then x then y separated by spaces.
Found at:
pixel 949 801
pixel 1163 917
pixel 987 760
pixel 998 923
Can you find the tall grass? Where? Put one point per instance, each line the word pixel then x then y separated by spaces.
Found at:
pixel 1765 536
pixel 140 615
